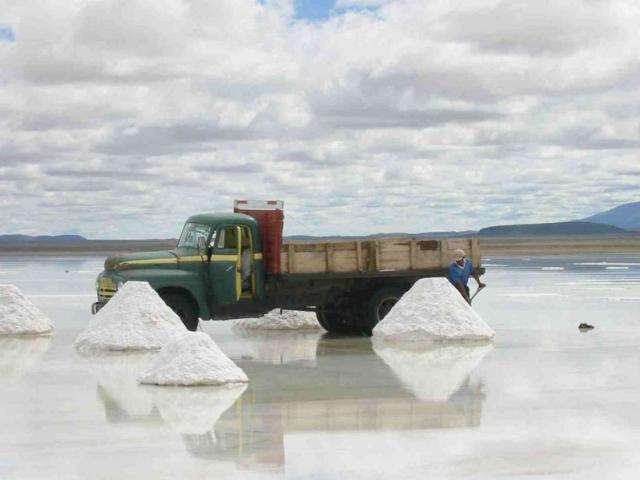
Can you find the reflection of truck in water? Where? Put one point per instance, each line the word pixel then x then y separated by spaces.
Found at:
pixel 332 395
pixel 236 264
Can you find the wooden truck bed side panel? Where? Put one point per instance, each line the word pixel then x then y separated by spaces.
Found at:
pixel 380 255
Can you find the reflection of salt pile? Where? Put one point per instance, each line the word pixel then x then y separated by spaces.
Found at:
pixel 19 354
pixel 434 373
pixel 118 387
pixel 192 359
pixel 136 318
pixel 195 410
pixel 279 347
pixel 274 320
pixel 432 311
pixel 18 316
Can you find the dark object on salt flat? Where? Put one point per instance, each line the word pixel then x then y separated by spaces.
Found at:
pixel 585 327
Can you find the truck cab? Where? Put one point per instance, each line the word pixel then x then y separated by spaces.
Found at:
pixel 217 266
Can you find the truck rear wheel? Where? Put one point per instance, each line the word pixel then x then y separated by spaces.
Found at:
pixel 334 321
pixel 378 305
pixel 184 307
pixel 339 314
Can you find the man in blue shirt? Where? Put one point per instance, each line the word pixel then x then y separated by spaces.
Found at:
pixel 459 273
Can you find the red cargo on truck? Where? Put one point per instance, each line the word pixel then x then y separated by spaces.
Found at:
pixel 270 217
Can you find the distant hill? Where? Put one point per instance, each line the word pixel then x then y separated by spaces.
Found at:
pixel 623 216
pixel 559 228
pixel 43 239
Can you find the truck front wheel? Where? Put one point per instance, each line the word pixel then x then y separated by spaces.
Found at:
pixel 184 307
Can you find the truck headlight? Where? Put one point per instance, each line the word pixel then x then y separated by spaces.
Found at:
pixel 119 284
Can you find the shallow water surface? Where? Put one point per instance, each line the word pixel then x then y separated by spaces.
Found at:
pixel 545 401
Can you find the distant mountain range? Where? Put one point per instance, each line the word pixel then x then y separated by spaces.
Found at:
pixel 623 219
pixel 623 216
pixel 43 239
pixel 559 228
pixel 520 230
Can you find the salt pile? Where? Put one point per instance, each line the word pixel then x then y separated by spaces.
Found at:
pixel 192 359
pixel 136 318
pixel 274 320
pixel 18 316
pixel 432 311
pixel 435 373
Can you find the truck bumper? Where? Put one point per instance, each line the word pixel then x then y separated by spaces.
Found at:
pixel 96 307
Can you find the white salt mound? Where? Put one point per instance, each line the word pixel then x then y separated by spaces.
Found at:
pixel 432 311
pixel 136 318
pixel 274 320
pixel 18 316
pixel 192 359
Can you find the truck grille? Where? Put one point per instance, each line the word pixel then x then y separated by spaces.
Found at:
pixel 106 289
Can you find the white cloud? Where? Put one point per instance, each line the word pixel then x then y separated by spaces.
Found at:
pixel 416 116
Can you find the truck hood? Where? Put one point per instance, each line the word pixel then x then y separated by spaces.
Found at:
pixel 160 258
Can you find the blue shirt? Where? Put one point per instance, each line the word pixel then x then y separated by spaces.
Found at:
pixel 460 274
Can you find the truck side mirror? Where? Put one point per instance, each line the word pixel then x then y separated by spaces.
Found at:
pixel 211 246
pixel 202 245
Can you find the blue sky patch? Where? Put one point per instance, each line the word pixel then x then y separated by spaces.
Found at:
pixel 314 10
pixel 6 34
pixel 321 10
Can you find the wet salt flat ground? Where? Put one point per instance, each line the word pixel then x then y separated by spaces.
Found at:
pixel 545 401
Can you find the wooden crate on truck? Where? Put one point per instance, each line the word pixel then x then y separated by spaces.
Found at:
pixel 378 255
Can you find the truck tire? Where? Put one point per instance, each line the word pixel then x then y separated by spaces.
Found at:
pixel 334 321
pixel 340 314
pixel 378 304
pixel 321 317
pixel 184 307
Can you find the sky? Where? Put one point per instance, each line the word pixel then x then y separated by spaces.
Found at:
pixel 120 118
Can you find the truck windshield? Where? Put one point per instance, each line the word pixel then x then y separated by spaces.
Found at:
pixel 191 233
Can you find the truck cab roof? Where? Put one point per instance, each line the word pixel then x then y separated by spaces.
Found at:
pixel 216 218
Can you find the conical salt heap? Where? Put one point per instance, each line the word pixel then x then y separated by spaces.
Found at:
pixel 432 311
pixel 136 318
pixel 19 316
pixel 192 359
pixel 274 320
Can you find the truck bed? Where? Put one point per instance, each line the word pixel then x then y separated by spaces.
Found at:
pixel 378 256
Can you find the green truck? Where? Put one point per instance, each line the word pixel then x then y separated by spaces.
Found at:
pixel 235 265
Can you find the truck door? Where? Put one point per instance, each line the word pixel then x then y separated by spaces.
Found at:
pixel 225 266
